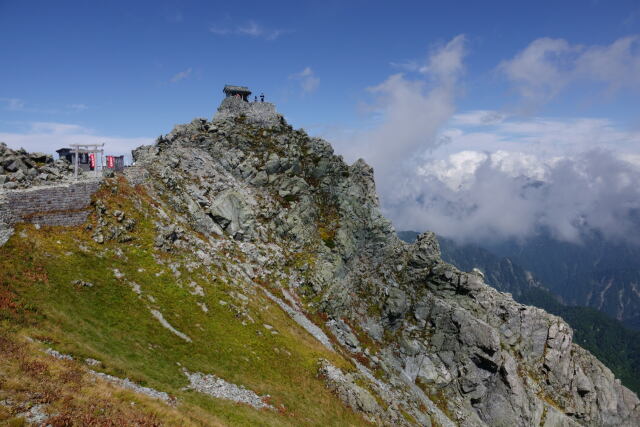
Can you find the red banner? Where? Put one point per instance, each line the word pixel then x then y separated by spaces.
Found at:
pixel 110 162
pixel 92 160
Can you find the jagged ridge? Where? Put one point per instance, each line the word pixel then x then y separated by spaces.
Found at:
pixel 397 308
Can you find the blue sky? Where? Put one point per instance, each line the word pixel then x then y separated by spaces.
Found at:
pixel 118 59
pixel 440 85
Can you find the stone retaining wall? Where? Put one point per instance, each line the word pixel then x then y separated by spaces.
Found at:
pixel 256 113
pixel 65 204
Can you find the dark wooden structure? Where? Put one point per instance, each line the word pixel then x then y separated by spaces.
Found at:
pixel 115 163
pixel 69 155
pixel 239 91
pixel 83 156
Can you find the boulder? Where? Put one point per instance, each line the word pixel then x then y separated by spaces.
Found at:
pixel 231 211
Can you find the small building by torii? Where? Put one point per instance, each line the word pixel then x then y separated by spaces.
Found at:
pixel 239 91
pixel 92 150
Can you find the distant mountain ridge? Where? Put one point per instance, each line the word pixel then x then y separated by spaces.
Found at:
pixel 597 273
pixel 607 338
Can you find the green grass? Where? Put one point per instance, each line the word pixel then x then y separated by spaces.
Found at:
pixel 111 323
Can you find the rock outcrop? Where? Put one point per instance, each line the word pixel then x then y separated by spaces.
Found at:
pixel 431 345
pixel 20 169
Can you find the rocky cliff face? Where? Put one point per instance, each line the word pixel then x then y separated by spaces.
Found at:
pixel 432 345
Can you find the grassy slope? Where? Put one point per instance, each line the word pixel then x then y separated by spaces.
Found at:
pixel 76 398
pixel 111 323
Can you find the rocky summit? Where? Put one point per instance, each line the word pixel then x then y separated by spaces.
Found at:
pixel 19 169
pixel 258 269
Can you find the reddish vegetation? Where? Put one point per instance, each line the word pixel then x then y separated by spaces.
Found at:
pixel 7 301
pixel 101 413
pixel 62 386
pixel 34 368
pixel 37 275
pixel 362 358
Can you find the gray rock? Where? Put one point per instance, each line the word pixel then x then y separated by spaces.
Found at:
pixel 433 333
pixel 353 395
pixel 221 389
pixel 15 165
pixel 396 306
pixel 260 179
pixel 19 175
pixel 128 384
pixel 273 165
pixel 231 210
pixel 41 157
pixel 257 113
pixel 82 284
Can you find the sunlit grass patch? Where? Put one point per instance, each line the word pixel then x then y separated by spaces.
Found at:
pixel 110 320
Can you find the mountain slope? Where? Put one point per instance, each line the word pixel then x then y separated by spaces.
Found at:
pixel 609 340
pixel 109 316
pixel 595 273
pixel 242 261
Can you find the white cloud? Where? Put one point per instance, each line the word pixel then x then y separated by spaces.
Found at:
pixel 541 69
pixel 442 62
pixel 17 104
pixel 549 137
pixel 181 75
pixel 510 177
pixel 307 80
pixel 445 63
pixel 78 107
pixel 410 65
pixel 478 196
pixel 49 136
pixel 479 118
pixel 547 66
pixel 487 174
pixel 616 65
pixel 409 113
pixel 13 104
pixel 250 28
pixel 54 128
pixel 220 31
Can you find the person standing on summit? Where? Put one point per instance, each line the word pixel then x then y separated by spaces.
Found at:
pixel 262 97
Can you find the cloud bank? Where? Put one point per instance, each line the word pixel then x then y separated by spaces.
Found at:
pixel 484 174
pixel 473 196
